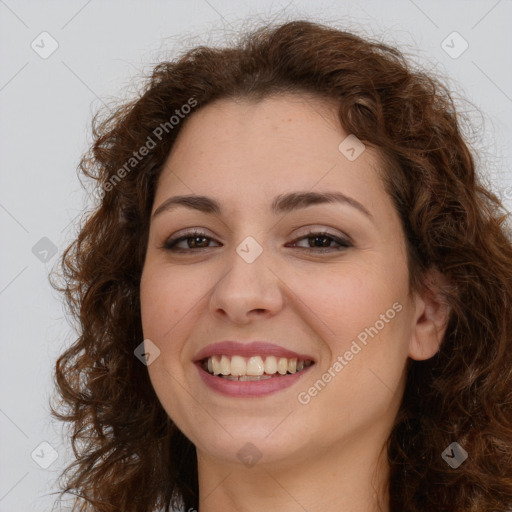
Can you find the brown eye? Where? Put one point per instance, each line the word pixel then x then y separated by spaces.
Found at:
pixel 323 240
pixel 195 240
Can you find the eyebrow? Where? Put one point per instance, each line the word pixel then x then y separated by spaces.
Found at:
pixel 282 203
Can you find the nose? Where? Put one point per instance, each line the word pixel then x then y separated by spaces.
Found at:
pixel 246 291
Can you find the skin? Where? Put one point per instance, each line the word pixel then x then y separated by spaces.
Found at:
pixel 327 454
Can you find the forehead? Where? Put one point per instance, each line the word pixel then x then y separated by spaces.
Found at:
pixel 280 118
pixel 291 137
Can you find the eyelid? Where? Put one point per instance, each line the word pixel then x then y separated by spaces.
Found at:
pixel 325 230
pixel 305 231
pixel 341 239
pixel 184 234
pixel 191 232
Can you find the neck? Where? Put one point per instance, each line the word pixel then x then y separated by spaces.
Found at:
pixel 352 477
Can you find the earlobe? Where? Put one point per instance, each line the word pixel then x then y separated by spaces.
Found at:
pixel 431 319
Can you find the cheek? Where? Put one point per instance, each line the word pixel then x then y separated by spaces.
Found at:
pixel 165 300
pixel 368 315
pixel 368 319
pixel 354 298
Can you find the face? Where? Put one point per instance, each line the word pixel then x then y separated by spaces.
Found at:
pixel 258 278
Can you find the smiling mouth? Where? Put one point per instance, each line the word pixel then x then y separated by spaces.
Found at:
pixel 253 368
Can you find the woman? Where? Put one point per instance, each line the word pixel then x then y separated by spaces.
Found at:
pixel 295 294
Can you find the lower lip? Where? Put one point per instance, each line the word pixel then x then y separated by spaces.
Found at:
pixel 251 388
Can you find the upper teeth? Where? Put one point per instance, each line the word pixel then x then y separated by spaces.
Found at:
pixel 255 365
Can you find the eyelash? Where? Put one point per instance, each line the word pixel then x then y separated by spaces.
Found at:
pixel 344 243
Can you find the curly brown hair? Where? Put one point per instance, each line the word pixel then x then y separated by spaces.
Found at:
pixel 129 454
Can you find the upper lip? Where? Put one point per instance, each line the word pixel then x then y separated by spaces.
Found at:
pixel 253 348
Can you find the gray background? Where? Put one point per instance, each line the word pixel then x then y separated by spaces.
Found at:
pixel 46 105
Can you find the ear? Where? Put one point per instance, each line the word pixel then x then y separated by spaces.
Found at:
pixel 431 317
